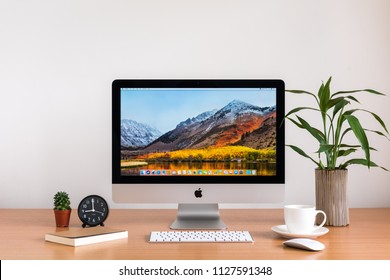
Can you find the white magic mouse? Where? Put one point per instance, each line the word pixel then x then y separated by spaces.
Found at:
pixel 305 244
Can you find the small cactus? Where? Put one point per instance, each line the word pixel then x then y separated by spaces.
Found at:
pixel 61 201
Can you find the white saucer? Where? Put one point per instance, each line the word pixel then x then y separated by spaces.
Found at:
pixel 282 230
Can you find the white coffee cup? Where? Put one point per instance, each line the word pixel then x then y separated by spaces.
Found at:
pixel 300 219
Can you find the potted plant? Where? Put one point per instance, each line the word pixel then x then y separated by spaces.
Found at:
pixel 339 124
pixel 62 209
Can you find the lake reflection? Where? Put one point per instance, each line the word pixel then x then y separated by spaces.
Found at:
pixel 206 168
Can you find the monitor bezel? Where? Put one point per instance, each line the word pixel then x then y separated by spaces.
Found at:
pixel 117 178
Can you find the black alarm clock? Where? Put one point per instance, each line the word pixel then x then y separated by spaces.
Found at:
pixel 93 211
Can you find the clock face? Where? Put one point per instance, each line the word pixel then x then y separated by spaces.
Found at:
pixel 93 210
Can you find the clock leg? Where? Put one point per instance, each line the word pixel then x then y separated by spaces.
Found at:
pixel 83 225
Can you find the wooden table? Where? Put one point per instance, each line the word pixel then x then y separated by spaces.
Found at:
pixel 22 237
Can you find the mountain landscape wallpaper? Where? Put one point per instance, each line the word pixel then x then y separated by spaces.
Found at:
pixel 176 134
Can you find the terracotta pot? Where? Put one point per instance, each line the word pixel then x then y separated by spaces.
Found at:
pixel 62 217
pixel 332 196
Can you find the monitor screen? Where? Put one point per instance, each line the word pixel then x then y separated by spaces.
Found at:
pixel 171 134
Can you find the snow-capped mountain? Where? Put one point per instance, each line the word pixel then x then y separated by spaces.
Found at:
pixel 216 128
pixel 134 134
pixel 238 108
pixel 197 119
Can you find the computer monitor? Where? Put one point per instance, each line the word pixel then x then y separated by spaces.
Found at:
pixel 198 143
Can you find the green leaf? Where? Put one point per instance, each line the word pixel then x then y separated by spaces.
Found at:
pixel 296 123
pixel 293 111
pixel 335 101
pixel 361 161
pixel 325 148
pixel 320 91
pixel 347 113
pixel 345 132
pixel 378 132
pixel 313 131
pixel 340 102
pixel 359 90
pixel 297 91
pixel 355 146
pixel 352 98
pixel 338 106
pixel 360 135
pixel 302 92
pixel 302 153
pixel 344 153
pixel 324 95
pixel 379 120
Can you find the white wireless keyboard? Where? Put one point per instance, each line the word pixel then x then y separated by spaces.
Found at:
pixel 200 236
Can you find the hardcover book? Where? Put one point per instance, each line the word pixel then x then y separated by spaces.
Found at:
pixel 83 236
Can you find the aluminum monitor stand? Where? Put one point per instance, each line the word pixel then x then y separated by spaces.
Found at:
pixel 198 216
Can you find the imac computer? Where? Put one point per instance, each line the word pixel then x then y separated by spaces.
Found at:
pixel 198 143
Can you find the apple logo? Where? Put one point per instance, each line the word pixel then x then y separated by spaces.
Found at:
pixel 198 193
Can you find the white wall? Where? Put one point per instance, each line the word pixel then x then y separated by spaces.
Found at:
pixel 58 59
